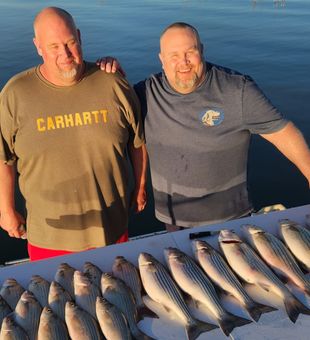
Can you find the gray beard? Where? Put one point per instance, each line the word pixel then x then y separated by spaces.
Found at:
pixel 188 84
pixel 69 74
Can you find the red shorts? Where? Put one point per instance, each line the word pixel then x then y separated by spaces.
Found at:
pixel 36 253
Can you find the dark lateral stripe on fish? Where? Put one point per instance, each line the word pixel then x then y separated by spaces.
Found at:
pixel 164 279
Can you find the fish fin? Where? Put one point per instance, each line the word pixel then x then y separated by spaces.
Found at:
pixel 263 286
pixel 144 311
pixel 230 321
pixel 193 331
pixel 293 308
pixel 255 310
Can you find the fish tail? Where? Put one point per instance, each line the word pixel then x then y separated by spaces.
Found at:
pixel 230 321
pixel 293 308
pixel 194 330
pixel 255 310
pixel 144 311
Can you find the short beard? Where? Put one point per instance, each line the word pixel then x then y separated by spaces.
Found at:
pixel 69 74
pixel 189 84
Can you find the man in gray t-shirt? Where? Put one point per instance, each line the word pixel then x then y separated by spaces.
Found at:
pixel 199 119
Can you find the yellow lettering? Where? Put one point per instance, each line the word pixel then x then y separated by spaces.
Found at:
pixel 87 118
pixel 69 120
pixel 96 113
pixel 104 115
pixel 40 125
pixel 59 120
pixel 50 124
pixel 78 119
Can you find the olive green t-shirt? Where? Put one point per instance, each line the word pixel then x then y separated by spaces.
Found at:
pixel 70 146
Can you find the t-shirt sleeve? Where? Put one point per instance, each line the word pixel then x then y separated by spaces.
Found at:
pixel 6 131
pixel 259 115
pixel 132 112
pixel 140 89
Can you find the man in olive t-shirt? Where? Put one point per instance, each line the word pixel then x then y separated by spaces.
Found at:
pixel 67 126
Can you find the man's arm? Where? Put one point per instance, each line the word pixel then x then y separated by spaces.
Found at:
pixel 138 158
pixel 10 219
pixel 291 143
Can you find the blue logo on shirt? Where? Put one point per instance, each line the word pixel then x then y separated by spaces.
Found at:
pixel 211 117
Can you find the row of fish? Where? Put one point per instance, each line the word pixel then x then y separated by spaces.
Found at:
pixel 90 304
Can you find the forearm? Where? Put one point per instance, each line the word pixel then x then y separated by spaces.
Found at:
pixel 138 158
pixel 291 143
pixel 7 184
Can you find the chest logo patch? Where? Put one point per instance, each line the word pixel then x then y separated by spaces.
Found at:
pixel 212 117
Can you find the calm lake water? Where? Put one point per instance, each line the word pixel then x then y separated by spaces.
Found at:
pixel 267 39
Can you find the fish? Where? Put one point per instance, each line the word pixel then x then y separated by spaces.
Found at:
pixel 51 327
pixel 160 287
pixel 194 282
pixel 11 291
pixel 64 276
pixel 5 309
pixel 85 293
pixel 57 298
pixel 251 268
pixel 277 256
pixel 10 330
pixel 112 321
pixel 81 325
pixel 119 294
pixel 39 287
pixel 27 314
pixel 221 275
pixel 297 239
pixel 126 271
pixel 92 272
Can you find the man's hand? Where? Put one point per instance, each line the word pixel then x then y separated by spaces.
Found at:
pixel 138 200
pixel 110 65
pixel 13 224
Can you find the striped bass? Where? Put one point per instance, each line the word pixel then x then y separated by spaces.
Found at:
pixel 39 287
pixel 193 281
pixel 11 291
pixel 161 288
pixel 85 293
pixel 221 274
pixel 277 256
pixel 126 271
pixel 251 268
pixel 92 272
pixel 57 299
pixel 10 330
pixel 64 276
pixel 27 314
pixel 119 294
pixel 112 321
pixel 297 238
pixel 51 327
pixel 81 325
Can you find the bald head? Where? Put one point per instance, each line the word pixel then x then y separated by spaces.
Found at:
pixel 52 13
pixel 58 43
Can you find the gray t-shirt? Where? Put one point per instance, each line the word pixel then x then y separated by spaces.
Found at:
pixel 198 144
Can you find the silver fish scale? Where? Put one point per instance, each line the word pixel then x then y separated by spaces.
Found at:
pixel 229 275
pixel 198 276
pixel 164 280
pixel 124 300
pixel 254 260
pixel 279 249
pixel 129 274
